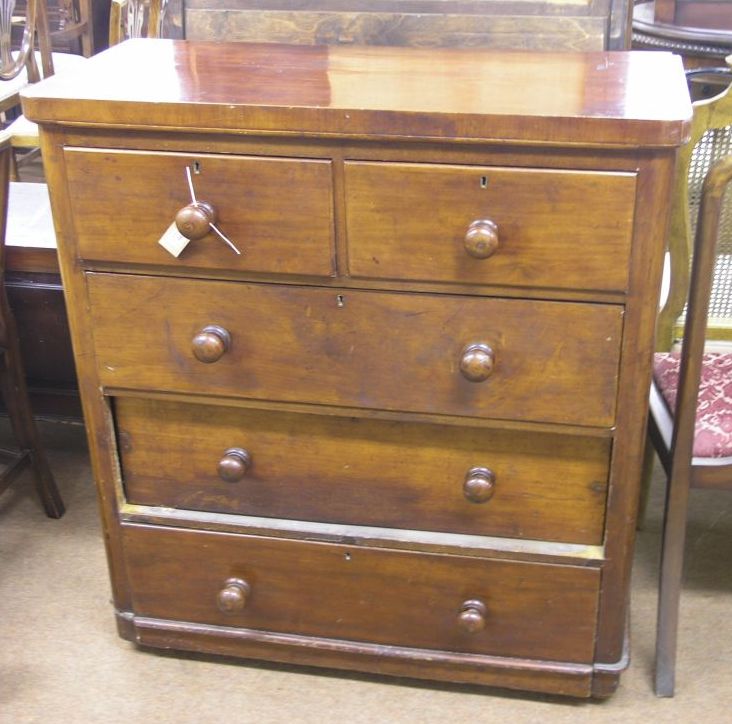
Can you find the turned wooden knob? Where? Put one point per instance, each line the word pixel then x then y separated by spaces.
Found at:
pixel 477 362
pixel 472 616
pixel 210 343
pixel 194 221
pixel 233 596
pixel 481 239
pixel 234 465
pixel 479 485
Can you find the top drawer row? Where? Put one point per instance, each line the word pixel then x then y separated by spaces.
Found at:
pixel 475 225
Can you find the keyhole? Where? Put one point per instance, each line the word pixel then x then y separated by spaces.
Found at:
pixel 484 182
pixel 340 301
pixel 196 167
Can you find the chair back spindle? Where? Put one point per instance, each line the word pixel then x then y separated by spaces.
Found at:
pixel 700 289
pixel 711 139
pixel 35 28
pixel 136 19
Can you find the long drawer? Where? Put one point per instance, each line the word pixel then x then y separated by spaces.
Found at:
pixel 363 472
pixel 530 227
pixel 431 601
pixel 482 357
pixel 277 211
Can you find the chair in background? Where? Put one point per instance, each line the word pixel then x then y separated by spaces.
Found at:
pixel 73 27
pixel 136 19
pixel 12 381
pixel 28 222
pixel 20 67
pixel 711 139
pixel 691 417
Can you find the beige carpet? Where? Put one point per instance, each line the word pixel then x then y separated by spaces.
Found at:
pixel 61 659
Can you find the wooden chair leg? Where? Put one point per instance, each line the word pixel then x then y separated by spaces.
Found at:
pixel 645 487
pixel 87 39
pixel 15 396
pixel 672 563
pixel 13 167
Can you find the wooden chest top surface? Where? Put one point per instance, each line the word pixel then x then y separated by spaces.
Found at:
pixel 621 99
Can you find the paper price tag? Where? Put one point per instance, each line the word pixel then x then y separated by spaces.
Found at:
pixel 173 241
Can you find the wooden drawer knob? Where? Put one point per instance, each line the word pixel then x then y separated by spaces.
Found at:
pixel 477 362
pixel 233 596
pixel 479 485
pixel 210 343
pixel 234 465
pixel 194 221
pixel 481 239
pixel 472 616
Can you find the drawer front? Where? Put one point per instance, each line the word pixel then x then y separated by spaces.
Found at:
pixel 363 472
pixel 547 361
pixel 537 611
pixel 553 229
pixel 277 211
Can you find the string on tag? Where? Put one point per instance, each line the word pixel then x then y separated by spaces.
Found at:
pixel 213 226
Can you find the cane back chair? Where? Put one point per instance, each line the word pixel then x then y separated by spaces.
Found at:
pixel 691 415
pixel 711 139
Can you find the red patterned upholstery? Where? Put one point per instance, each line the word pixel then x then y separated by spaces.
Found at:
pixel 713 432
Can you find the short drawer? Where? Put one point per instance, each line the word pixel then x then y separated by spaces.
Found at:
pixel 486 225
pixel 431 601
pixel 482 357
pixel 277 211
pixel 363 472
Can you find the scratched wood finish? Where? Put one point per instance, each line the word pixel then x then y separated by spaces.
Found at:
pixel 610 113
pixel 565 229
pixel 277 211
pixel 447 30
pixel 604 98
pixel 360 349
pixel 507 672
pixel 361 594
pixel 362 472
pixel 507 24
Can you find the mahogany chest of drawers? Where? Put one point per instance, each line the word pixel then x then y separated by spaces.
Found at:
pixel 398 428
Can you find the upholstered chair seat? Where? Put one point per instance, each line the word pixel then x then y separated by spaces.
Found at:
pixel 713 427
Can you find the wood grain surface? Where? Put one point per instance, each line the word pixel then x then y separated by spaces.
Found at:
pixel 277 211
pixel 363 472
pixel 324 371
pixel 380 596
pixel 408 93
pixel 364 349
pixel 555 228
pixel 440 30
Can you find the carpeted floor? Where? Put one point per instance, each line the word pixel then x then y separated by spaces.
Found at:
pixel 61 659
